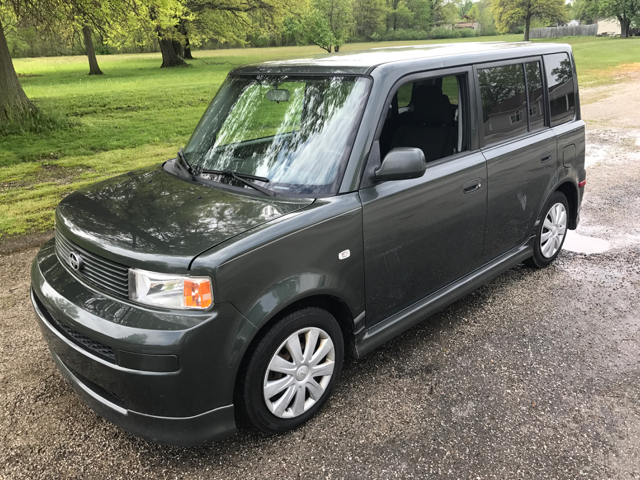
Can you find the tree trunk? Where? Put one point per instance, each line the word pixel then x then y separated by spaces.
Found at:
pixel 14 104
pixel 625 23
pixel 179 49
pixel 336 48
pixel 187 49
pixel 169 56
pixel 94 69
pixel 526 28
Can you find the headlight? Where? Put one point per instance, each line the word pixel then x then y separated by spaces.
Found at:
pixel 170 291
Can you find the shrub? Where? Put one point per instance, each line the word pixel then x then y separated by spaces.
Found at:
pixel 441 32
pixel 404 34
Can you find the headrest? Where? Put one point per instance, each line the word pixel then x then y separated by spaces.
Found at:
pixel 431 106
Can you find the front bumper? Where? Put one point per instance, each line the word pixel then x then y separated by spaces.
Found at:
pixel 188 405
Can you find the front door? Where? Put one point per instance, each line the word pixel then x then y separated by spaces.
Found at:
pixel 420 235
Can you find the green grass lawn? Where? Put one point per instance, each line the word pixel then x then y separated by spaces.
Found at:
pixel 138 114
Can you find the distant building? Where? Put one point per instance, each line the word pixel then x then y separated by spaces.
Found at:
pixel 609 27
pixel 469 25
pixel 574 23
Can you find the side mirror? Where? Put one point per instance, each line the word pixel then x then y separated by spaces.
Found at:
pixel 402 163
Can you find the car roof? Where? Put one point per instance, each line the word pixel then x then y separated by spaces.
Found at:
pixel 364 61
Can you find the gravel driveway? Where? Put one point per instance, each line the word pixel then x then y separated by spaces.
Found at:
pixel 535 375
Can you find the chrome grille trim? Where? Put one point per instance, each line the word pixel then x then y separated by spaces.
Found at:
pixel 105 274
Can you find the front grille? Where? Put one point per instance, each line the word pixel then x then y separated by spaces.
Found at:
pixel 110 276
pixel 99 349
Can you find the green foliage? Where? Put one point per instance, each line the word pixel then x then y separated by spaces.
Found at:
pixel 443 12
pixel 330 23
pixel 441 32
pixel 464 6
pixel 586 11
pixel 474 13
pixel 404 34
pixel 509 14
pixel 485 18
pixel 369 17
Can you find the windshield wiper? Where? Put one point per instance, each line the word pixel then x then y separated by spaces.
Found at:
pixel 242 177
pixel 181 161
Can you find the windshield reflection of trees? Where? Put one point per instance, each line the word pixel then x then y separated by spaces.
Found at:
pixel 299 144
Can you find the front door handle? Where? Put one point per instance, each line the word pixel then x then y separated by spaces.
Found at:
pixel 472 185
pixel 546 157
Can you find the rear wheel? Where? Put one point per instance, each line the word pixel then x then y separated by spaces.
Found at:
pixel 292 371
pixel 551 231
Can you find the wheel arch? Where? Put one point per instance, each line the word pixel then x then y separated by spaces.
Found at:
pixel 570 191
pixel 332 304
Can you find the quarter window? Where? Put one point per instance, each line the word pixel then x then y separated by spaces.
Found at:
pixel 561 90
pixel 504 101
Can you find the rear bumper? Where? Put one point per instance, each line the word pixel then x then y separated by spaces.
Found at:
pixel 186 402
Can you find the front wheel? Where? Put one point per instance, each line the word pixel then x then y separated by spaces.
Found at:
pixel 292 371
pixel 551 231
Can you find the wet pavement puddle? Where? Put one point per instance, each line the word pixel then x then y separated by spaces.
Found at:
pixel 574 242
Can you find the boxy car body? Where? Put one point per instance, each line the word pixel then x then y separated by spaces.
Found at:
pixel 380 248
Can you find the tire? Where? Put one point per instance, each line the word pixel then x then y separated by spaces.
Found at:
pixel 278 391
pixel 550 232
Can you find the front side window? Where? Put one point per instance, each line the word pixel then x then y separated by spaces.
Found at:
pixel 296 132
pixel 504 102
pixel 561 91
pixel 432 121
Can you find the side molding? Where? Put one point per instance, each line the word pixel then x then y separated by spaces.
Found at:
pixel 369 339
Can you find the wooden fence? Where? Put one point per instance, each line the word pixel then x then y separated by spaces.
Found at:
pixel 551 32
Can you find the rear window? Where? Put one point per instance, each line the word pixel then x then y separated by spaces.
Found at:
pixel 561 90
pixel 504 102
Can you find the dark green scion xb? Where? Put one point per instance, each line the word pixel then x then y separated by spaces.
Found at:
pixel 321 207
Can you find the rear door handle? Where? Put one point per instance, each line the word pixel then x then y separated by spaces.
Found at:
pixel 472 185
pixel 546 157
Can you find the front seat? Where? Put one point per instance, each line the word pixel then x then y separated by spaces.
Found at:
pixel 431 128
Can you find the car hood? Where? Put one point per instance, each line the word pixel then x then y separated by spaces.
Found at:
pixel 152 219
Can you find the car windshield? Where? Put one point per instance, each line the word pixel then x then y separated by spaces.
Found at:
pixel 295 131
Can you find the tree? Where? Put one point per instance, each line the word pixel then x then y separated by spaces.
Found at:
pixel 463 7
pixel 329 23
pixel 369 16
pixel 94 69
pixel 14 104
pixel 626 11
pixel 584 10
pixel 473 14
pixel 485 17
pixel 511 13
pixel 443 12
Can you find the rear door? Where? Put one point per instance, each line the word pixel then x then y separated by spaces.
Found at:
pixel 519 147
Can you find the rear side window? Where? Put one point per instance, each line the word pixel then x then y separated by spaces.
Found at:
pixel 561 91
pixel 504 102
pixel 536 95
